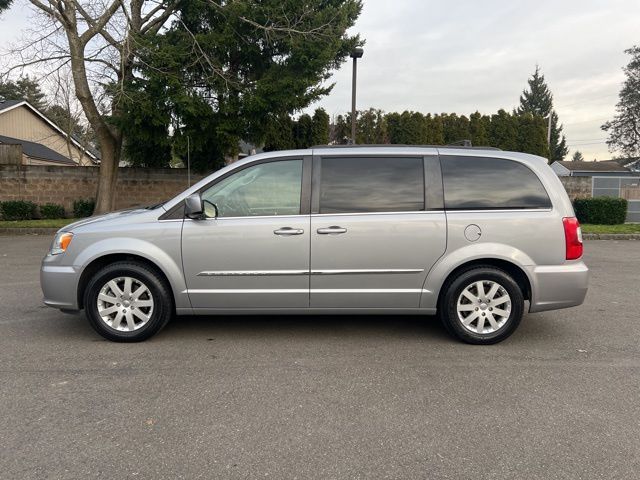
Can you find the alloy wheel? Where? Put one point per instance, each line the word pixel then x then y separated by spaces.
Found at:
pixel 125 304
pixel 484 307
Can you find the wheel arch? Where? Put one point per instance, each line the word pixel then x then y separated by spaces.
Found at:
pixel 515 271
pixel 503 257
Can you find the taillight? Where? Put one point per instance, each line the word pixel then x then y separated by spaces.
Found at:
pixel 572 237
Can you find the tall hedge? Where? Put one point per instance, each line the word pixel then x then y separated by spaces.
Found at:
pixel 601 210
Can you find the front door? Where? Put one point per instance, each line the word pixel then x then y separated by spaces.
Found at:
pixel 375 230
pixel 255 253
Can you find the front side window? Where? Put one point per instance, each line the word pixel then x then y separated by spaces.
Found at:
pixel 265 189
pixel 481 183
pixel 377 184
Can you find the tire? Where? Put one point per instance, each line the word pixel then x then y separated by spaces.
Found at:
pixel 470 315
pixel 132 310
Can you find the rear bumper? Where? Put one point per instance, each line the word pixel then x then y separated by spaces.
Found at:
pixel 558 286
pixel 59 286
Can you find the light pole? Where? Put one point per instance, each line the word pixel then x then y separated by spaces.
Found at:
pixel 355 54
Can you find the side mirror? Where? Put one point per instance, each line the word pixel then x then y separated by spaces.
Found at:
pixel 193 207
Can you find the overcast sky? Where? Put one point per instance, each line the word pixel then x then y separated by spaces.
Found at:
pixel 466 55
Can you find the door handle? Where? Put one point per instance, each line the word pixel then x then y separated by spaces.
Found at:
pixel 333 230
pixel 286 231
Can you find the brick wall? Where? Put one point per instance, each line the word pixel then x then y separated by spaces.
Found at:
pixel 577 187
pixel 42 184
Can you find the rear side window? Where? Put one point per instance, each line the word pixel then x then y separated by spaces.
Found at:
pixel 377 184
pixel 479 183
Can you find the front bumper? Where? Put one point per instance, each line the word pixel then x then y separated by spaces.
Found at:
pixel 59 285
pixel 558 286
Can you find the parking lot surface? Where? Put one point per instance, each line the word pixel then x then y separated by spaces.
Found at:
pixel 322 397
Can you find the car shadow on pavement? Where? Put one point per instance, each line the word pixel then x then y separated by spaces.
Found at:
pixel 317 326
pixel 536 328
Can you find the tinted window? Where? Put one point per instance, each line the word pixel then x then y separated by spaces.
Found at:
pixel 352 185
pixel 490 183
pixel 271 188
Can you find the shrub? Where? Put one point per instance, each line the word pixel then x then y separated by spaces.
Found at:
pixel 83 208
pixel 18 210
pixel 601 210
pixel 52 210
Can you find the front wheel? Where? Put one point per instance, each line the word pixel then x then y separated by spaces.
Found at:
pixel 483 305
pixel 127 302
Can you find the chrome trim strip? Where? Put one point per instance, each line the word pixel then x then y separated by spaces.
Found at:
pixel 367 290
pixel 242 273
pixel 357 271
pixel 304 290
pixel 246 290
pixel 259 273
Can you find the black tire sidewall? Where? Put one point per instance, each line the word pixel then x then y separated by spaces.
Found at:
pixel 448 308
pixel 162 307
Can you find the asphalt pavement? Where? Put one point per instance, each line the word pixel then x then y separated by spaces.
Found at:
pixel 322 397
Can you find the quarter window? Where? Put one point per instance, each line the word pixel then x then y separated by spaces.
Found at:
pixel 378 184
pixel 269 189
pixel 479 183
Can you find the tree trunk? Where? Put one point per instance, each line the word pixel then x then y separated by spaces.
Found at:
pixel 110 137
pixel 110 149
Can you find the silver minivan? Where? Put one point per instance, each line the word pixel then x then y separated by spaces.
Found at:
pixel 475 236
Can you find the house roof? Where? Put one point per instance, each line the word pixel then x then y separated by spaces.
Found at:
pixel 7 105
pixel 605 166
pixel 37 150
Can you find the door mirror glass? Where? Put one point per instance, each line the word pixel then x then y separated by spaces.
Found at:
pixel 193 206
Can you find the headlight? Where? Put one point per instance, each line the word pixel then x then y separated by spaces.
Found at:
pixel 61 243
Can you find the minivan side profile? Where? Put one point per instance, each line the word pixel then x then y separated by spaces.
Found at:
pixel 476 236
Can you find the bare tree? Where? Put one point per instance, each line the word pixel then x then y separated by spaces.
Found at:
pixel 66 112
pixel 98 40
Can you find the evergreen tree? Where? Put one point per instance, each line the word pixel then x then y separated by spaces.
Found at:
pixel 371 127
pixel 393 127
pixel 577 157
pixel 406 128
pixel 320 127
pixel 24 88
pixel 279 134
pixel 340 131
pixel 478 129
pixel 302 131
pixel 532 134
pixel 503 131
pixel 624 129
pixel 434 130
pixel 250 72
pixel 538 100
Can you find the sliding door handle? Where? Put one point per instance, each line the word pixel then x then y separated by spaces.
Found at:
pixel 286 231
pixel 333 230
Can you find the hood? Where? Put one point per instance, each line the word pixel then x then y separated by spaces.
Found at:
pixel 108 217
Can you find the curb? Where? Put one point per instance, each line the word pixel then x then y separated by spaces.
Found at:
pixel 611 236
pixel 28 231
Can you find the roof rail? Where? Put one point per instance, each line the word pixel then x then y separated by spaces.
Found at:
pixel 462 147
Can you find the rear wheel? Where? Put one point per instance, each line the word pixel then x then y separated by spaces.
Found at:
pixel 127 302
pixel 482 305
